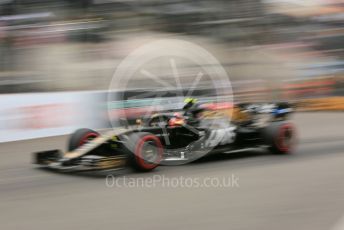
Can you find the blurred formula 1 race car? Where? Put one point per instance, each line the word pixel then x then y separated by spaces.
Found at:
pixel 176 138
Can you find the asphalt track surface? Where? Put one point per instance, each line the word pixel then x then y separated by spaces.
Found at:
pixel 301 191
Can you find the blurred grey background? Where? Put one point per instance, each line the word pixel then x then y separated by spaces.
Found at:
pixel 63 45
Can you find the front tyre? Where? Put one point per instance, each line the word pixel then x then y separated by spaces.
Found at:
pixel 281 137
pixel 81 137
pixel 145 151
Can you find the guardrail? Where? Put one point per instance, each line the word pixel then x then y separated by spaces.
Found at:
pixel 36 115
pixel 321 104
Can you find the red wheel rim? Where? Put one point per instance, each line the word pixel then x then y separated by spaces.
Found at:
pixel 139 155
pixel 87 137
pixel 286 137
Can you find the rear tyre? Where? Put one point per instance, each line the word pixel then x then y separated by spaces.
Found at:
pixel 145 151
pixel 81 137
pixel 281 137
